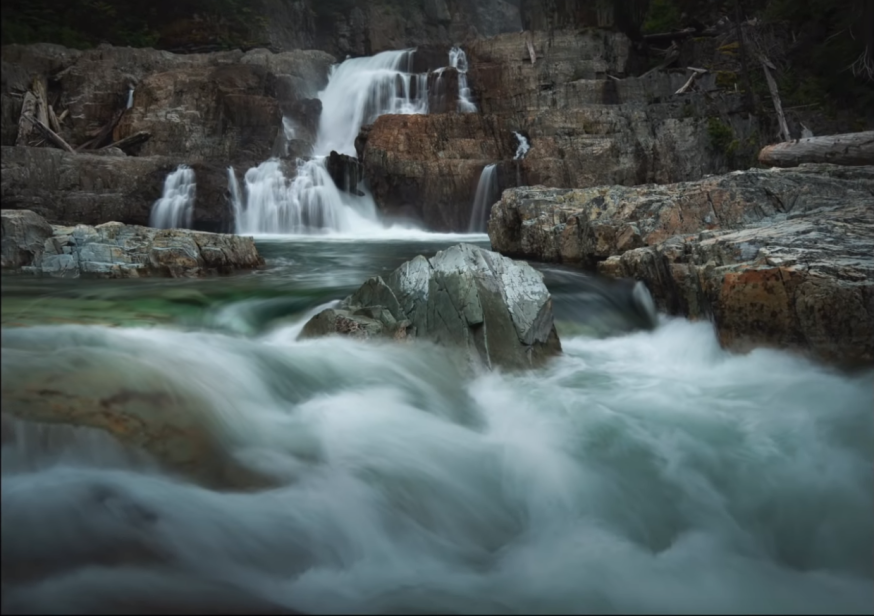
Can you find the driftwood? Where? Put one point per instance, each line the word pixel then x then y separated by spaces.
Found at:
pixel 672 54
pixel 696 72
pixel 847 149
pixel 130 141
pixel 63 115
pixel 54 123
pixel 104 132
pixel 26 129
pixel 669 36
pixel 775 96
pixel 51 135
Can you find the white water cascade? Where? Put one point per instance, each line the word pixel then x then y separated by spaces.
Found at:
pixel 486 195
pixel 359 90
pixel 458 61
pixel 523 148
pixel 175 208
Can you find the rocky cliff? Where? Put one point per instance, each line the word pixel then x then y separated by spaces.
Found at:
pixel 587 119
pixel 775 257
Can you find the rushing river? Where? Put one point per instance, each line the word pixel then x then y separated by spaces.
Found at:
pixel 644 471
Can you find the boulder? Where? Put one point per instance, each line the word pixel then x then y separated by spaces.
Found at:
pixel 775 257
pixel 115 250
pixel 496 311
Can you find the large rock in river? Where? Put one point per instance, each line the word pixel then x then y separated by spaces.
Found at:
pixel 114 250
pixel 783 258
pixel 498 311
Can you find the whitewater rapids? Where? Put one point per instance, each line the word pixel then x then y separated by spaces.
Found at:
pixel 646 473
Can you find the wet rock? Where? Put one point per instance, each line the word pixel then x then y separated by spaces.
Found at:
pixel 115 250
pixel 346 171
pixel 497 311
pixel 776 257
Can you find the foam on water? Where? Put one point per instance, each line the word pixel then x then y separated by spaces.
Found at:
pixel 652 472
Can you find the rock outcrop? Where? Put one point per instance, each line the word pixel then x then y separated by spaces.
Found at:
pixel 224 106
pixel 92 189
pixel 114 250
pixel 584 128
pixel 775 257
pixel 497 311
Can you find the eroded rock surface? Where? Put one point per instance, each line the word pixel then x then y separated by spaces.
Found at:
pixel 115 250
pixel 776 257
pixel 496 310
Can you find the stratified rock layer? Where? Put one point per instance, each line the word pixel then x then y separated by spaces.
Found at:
pixel 777 257
pixel 114 250
pixel 496 310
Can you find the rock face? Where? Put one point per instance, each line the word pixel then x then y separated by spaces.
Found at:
pixel 91 189
pixel 115 250
pixel 496 310
pixel 426 167
pixel 583 128
pixel 776 257
pixel 224 106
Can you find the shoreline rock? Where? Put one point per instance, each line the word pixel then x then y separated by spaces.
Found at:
pixel 781 258
pixel 114 250
pixel 497 311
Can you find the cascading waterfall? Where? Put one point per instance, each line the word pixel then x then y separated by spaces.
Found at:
pixel 458 61
pixel 486 194
pixel 175 208
pixel 130 98
pixel 359 90
pixel 523 148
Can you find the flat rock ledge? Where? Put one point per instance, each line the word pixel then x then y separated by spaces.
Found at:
pixel 113 250
pixel 780 257
pixel 498 311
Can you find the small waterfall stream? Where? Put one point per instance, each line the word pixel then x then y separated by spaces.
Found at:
pixel 175 208
pixel 458 61
pixel 486 195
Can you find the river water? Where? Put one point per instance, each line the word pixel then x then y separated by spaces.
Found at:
pixel 645 470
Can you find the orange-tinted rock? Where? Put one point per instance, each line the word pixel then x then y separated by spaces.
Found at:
pixel 780 257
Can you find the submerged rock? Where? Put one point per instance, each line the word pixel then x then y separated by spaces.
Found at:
pixel 114 250
pixel 775 257
pixel 497 310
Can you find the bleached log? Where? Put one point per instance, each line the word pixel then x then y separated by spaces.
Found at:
pixel 846 149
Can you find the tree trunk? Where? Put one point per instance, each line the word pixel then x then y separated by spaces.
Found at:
pixel 847 149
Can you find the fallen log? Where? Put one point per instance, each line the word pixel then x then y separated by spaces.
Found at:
pixel 696 72
pixel 105 132
pixel 672 54
pixel 775 96
pixel 54 122
pixel 130 141
pixel 26 129
pixel 669 36
pixel 846 149
pixel 51 135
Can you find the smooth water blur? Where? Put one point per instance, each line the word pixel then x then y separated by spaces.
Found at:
pixel 643 471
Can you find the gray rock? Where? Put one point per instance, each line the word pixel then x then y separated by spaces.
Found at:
pixel 496 310
pixel 779 257
pixel 114 250
pixel 24 237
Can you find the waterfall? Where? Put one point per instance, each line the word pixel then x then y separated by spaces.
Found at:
pixel 175 208
pixel 309 203
pixel 458 61
pixel 237 203
pixel 523 148
pixel 359 90
pixel 130 98
pixel 486 195
pixel 362 89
